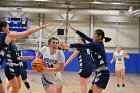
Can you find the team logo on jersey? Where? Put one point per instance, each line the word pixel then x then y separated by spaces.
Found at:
pixel 50 60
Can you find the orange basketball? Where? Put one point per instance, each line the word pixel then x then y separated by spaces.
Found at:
pixel 38 64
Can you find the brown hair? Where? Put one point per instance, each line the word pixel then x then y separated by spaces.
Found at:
pixel 2 24
pixel 52 38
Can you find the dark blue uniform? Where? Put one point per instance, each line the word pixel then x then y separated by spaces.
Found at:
pixel 85 62
pixel 98 58
pixel 12 67
pixel 23 66
pixel 23 69
pixel 2 37
pixel 10 54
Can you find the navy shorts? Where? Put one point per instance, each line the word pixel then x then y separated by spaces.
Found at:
pixel 86 71
pixel 11 72
pixel 0 81
pixel 23 74
pixel 101 79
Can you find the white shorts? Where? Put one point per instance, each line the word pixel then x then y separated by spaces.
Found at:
pixel 55 79
pixel 119 66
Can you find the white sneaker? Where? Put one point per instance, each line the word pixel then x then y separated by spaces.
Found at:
pixel 29 91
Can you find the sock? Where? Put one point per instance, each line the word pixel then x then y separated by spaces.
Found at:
pixel 123 85
pixel 27 85
pixel 29 91
pixel 90 91
pixel 118 85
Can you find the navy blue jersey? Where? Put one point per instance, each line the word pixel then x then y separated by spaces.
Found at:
pixel 12 54
pixel 3 46
pixel 96 49
pixel 8 51
pixel 84 57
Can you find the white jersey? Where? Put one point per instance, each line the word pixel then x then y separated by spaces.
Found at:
pixel 52 59
pixel 119 57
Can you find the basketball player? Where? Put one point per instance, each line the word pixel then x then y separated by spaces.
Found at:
pixel 119 56
pixel 98 55
pixel 51 76
pixel 8 51
pixel 23 66
pixel 24 76
pixel 85 64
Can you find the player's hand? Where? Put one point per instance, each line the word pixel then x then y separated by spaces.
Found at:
pixel 26 57
pixel 29 57
pixel 44 26
pixel 64 46
pixel 69 23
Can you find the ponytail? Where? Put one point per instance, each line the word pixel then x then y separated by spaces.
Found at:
pixel 101 32
pixel 107 39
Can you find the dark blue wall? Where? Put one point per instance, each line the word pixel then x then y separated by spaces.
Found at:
pixel 132 64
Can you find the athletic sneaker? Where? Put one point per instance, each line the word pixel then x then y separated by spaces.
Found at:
pixel 123 85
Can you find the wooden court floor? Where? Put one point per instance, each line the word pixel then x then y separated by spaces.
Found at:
pixel 71 83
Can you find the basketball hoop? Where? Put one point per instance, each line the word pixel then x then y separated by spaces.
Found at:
pixel 16 12
pixel 63 14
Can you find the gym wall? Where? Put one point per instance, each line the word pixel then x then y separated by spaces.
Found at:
pixel 132 64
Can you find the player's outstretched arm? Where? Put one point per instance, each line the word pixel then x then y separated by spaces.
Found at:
pixel 113 58
pixel 71 57
pixel 72 27
pixel 13 36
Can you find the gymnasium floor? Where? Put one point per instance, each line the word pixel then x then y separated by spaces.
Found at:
pixel 71 83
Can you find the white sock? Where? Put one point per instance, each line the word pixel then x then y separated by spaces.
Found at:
pixel 29 91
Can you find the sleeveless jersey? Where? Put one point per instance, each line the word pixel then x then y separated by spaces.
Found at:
pixel 52 59
pixel 119 57
pixel 84 57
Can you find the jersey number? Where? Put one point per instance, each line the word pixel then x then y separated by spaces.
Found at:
pixel 119 59
pixel 50 65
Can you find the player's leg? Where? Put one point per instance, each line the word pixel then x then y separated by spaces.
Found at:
pixel 97 89
pixel 117 70
pixel 19 81
pixel 83 84
pixel 85 73
pixel 59 90
pixel 14 85
pixel 101 80
pixel 26 83
pixel 24 79
pixel 117 78
pixel 1 87
pixel 51 89
pixel 7 87
pixel 12 78
pixel 123 77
